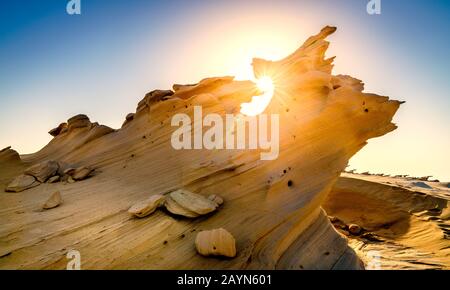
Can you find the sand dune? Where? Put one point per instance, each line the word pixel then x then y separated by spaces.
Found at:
pixel 406 228
pixel 276 210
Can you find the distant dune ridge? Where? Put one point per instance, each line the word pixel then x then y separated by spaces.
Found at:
pixel 405 223
pixel 273 209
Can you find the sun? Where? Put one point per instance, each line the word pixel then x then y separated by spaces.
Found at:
pixel 265 84
pixel 259 103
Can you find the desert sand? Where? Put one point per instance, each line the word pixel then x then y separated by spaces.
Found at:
pixel 289 213
pixel 405 225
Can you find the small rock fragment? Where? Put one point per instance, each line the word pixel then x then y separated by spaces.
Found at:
pixel 64 178
pixel 128 119
pixel 148 206
pixel 344 232
pixel 354 229
pixel 69 171
pixel 371 237
pixel 62 167
pixel 54 201
pixel 81 173
pixel 337 223
pixel 43 171
pixel 21 183
pixel 217 199
pixel 193 202
pixel 70 179
pixel 56 131
pixel 217 242
pixel 333 219
pixel 173 207
pixel 53 179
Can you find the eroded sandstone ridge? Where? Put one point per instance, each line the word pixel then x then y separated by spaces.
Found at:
pixel 273 208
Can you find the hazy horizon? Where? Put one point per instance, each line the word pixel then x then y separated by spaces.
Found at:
pixel 102 62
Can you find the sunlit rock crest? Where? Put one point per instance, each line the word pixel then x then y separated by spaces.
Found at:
pixel 272 208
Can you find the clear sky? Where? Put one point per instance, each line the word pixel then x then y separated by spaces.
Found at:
pixel 102 62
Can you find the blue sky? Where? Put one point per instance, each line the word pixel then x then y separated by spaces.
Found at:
pixel 102 62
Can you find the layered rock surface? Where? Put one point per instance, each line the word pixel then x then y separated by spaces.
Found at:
pixel 273 208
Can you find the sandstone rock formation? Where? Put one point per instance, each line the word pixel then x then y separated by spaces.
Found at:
pixel 77 132
pixel 78 121
pixel 152 98
pixel 8 154
pixel 5 149
pixel 273 208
